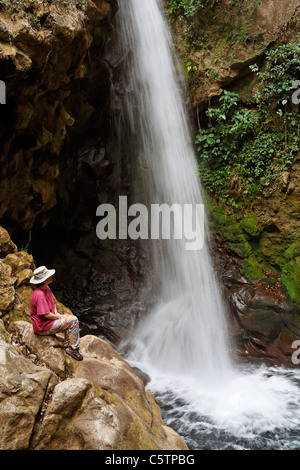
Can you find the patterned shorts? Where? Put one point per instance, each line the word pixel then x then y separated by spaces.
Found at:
pixel 70 325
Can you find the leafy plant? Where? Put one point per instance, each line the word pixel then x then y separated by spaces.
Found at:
pixel 252 142
pixel 282 69
pixel 190 67
pixel 25 247
pixel 188 8
pixel 35 21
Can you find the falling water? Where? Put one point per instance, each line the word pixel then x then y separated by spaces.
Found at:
pixel 183 342
pixel 186 331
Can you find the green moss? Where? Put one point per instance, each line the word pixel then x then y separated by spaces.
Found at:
pixel 292 252
pixel 291 278
pixel 232 233
pixel 251 268
pixel 273 248
pixel 240 247
pixel 258 249
pixel 251 226
pixel 218 218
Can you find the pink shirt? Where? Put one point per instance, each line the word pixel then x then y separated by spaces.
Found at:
pixel 42 303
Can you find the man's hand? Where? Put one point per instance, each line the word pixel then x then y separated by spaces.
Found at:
pixel 53 316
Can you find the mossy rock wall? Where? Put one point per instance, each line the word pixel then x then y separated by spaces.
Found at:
pixel 258 250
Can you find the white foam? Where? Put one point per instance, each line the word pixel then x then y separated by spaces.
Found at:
pixel 183 343
pixel 247 403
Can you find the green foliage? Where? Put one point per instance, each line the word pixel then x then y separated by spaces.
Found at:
pixel 25 247
pixel 188 8
pixel 190 67
pixel 28 5
pixel 204 22
pixel 35 21
pixel 281 70
pixel 253 141
pixel 291 278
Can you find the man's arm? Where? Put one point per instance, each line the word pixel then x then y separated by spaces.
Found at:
pixel 52 316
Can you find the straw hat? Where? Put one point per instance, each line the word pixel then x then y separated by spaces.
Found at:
pixel 41 274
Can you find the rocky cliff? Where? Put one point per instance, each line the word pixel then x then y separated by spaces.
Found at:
pixel 43 50
pixel 48 401
pixel 56 160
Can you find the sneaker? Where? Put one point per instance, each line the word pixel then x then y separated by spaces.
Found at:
pixel 74 353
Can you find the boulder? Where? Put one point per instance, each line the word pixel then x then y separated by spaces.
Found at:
pixel 23 387
pixel 49 41
pixel 23 297
pixel 57 403
pixel 105 368
pixel 257 311
pixel 19 261
pixel 49 349
pixel 7 291
pixel 6 244
pixel 22 266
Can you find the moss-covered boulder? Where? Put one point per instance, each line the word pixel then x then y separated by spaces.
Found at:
pixel 251 269
pixel 252 226
pixel 291 278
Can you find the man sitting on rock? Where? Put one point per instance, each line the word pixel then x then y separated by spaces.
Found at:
pixel 45 318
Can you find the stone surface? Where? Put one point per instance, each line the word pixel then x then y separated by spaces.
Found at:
pixel 43 47
pixel 23 386
pixel 224 54
pixel 49 401
pixel 49 349
pixel 263 321
pixel 61 404
pixel 7 291
pixel 103 394
pixel 6 244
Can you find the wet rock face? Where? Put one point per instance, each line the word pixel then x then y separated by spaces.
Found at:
pixel 263 322
pixel 257 258
pixel 42 54
pixel 56 167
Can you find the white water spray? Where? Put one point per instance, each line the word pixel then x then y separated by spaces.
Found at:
pixel 183 342
pixel 186 331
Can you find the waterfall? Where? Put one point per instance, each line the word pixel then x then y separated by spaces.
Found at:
pixel 183 341
pixel 186 330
